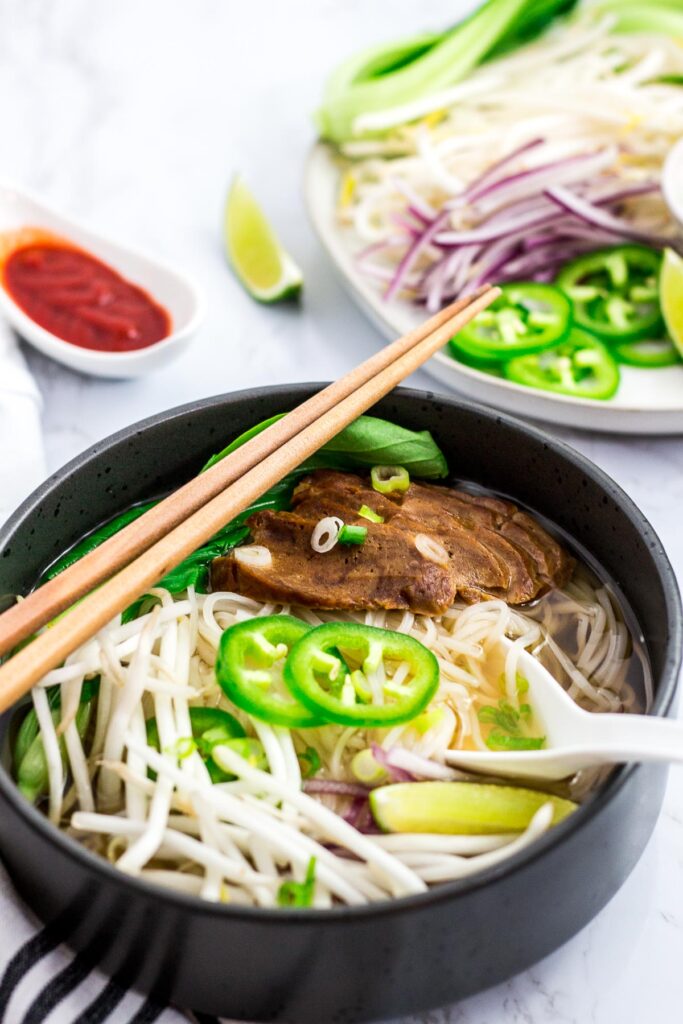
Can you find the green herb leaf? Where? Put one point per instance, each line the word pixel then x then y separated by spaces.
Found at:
pixel 362 444
pixel 298 894
pixel 366 442
pixel 94 539
pixel 310 762
pixel 503 715
pixel 498 740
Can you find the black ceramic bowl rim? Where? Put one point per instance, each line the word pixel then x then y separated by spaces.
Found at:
pixel 535 851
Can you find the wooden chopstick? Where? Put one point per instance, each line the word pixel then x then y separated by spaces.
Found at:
pixel 193 526
pixel 46 602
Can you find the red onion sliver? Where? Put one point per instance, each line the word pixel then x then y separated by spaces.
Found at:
pixel 383 757
pixel 591 214
pixel 336 787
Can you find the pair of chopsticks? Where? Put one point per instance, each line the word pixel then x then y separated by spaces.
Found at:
pixel 135 559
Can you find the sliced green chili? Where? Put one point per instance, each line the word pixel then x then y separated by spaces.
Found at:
pixel 249 669
pixel 367 696
pixel 615 292
pixel 580 366
pixel 369 513
pixel 646 354
pixel 527 317
pixel 387 479
pixel 210 726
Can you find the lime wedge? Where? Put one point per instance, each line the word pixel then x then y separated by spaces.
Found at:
pixel 256 256
pixel 671 296
pixel 468 808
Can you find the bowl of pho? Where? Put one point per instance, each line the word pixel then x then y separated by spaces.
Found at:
pixel 242 791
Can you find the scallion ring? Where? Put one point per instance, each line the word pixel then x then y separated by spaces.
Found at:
pixel 326 534
pixel 387 479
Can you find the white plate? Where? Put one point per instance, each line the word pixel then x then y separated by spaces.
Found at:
pixel 648 401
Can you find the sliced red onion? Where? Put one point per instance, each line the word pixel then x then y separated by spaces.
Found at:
pixel 421 767
pixel 419 216
pixel 527 183
pixel 491 173
pixel 535 204
pixel 449 277
pixel 418 246
pixel 407 226
pixel 550 256
pixel 359 814
pixel 383 757
pixel 592 214
pixel 605 194
pixel 371 250
pixel 415 201
pixel 491 232
pixel 336 787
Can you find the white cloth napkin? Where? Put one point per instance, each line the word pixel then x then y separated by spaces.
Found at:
pixel 22 457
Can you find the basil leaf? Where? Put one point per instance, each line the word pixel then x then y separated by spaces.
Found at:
pixel 94 539
pixel 368 441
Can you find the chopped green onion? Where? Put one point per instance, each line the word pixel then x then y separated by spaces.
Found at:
pixel 504 716
pixel 427 720
pixel 368 513
pixel 298 894
pixel 309 760
pixel 499 740
pixel 352 534
pixel 366 768
pixel 521 684
pixel 387 479
pixel 508 722
pixel 250 749
pixel 183 748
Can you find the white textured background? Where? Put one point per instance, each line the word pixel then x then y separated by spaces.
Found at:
pixel 133 114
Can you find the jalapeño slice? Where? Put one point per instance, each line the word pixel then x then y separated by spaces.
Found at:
pixel 527 317
pixel 342 672
pixel 615 292
pixel 580 366
pixel 249 669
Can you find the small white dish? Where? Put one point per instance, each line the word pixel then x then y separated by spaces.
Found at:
pixel 178 295
pixel 648 401
pixel 672 181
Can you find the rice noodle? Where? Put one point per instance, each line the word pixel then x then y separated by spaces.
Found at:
pixel 238 841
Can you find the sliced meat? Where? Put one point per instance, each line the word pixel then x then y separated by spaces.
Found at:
pixel 551 559
pixel 493 549
pixel 386 572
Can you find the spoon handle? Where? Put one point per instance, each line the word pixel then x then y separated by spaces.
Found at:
pixel 637 738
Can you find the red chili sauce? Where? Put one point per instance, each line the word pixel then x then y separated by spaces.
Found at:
pixel 82 300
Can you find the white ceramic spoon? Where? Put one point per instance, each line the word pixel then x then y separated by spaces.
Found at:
pixel 575 738
pixel 174 291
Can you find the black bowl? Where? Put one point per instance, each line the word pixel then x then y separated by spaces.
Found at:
pixel 386 959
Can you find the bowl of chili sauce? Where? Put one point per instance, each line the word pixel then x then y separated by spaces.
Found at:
pixel 97 306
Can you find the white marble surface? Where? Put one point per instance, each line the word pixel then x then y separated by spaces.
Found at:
pixel 134 116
